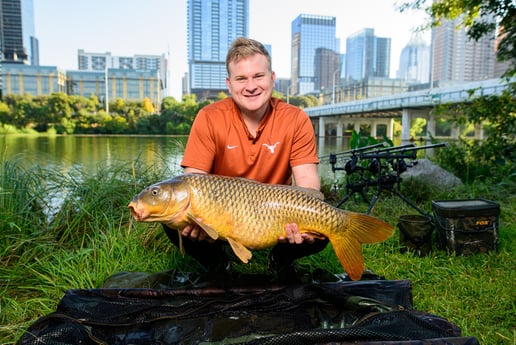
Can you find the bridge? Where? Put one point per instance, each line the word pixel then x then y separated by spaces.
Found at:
pixel 334 119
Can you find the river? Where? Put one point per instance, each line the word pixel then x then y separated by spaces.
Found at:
pixel 87 152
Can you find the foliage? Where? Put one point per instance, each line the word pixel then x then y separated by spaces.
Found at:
pixel 476 16
pixel 65 114
pixel 494 156
pixel 304 101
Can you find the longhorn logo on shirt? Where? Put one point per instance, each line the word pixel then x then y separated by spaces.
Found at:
pixel 271 147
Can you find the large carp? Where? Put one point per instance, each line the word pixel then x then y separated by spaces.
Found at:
pixel 253 215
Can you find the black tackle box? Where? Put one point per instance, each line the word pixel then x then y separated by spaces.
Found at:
pixel 466 226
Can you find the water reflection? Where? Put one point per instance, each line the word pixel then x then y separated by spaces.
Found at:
pixel 87 152
pixel 66 153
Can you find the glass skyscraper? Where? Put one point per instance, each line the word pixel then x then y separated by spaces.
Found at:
pixel 211 27
pixel 315 53
pixel 367 56
pixel 415 61
pixel 18 43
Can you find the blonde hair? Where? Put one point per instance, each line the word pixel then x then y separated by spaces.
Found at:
pixel 243 47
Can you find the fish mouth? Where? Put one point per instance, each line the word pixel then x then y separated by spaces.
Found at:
pixel 135 213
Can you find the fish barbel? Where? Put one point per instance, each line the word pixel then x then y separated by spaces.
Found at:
pixel 253 215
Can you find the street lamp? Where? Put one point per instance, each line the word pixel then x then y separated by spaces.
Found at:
pixel 288 94
pixel 107 90
pixel 333 88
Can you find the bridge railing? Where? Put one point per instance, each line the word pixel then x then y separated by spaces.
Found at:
pixel 414 99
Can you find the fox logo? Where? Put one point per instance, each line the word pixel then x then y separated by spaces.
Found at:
pixel 271 147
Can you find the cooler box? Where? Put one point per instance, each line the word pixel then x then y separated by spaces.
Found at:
pixel 466 226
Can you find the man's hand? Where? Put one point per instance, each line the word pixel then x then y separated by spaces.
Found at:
pixel 293 236
pixel 196 233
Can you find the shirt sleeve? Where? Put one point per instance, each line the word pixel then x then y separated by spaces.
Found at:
pixel 200 147
pixel 304 148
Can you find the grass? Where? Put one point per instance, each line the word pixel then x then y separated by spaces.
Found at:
pixel 90 237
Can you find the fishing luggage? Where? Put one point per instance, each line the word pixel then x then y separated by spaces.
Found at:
pixel 343 312
pixel 415 234
pixel 466 226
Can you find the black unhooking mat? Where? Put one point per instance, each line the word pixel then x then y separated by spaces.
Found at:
pixel 343 312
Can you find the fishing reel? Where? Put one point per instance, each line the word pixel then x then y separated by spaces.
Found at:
pixel 351 165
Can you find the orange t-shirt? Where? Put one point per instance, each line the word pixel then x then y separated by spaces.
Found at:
pixel 220 143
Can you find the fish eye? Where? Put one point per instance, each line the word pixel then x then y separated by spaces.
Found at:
pixel 155 191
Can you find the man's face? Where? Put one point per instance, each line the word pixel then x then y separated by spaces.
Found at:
pixel 251 83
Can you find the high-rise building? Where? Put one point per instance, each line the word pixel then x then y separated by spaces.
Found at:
pixel 101 61
pixel 211 27
pixel 123 83
pixel 23 79
pixel 367 56
pixel 458 58
pixel 501 66
pixel 18 43
pixel 414 64
pixel 315 60
pixel 157 64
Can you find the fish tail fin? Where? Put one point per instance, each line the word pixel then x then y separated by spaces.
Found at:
pixel 348 244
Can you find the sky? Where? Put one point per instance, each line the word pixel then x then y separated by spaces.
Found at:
pixel 156 27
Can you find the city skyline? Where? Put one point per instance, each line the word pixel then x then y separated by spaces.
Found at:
pixel 101 27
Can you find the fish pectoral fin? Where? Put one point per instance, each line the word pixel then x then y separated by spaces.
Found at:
pixel 317 235
pixel 240 250
pixel 208 229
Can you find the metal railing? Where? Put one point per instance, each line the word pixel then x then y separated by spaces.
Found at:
pixel 415 99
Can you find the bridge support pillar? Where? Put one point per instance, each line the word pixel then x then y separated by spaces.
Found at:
pixel 373 128
pixel 430 126
pixel 356 126
pixel 340 125
pixel 390 128
pixel 455 132
pixel 322 127
pixel 406 119
pixel 479 131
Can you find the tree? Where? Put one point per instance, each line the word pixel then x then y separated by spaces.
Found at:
pixel 59 107
pixel 148 106
pixel 475 16
pixel 4 113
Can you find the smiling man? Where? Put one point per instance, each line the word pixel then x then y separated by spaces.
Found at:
pixel 253 135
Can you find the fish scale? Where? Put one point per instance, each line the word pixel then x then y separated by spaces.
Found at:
pixel 276 205
pixel 253 215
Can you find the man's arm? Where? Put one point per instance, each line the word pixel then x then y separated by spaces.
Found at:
pixel 189 170
pixel 306 176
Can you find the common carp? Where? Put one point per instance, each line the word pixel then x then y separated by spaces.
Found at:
pixel 253 215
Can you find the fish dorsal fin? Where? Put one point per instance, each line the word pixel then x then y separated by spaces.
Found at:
pixel 310 191
pixel 208 229
pixel 240 250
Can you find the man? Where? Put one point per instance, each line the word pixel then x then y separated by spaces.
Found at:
pixel 252 135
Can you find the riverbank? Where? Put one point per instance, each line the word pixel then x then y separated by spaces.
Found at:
pixel 91 237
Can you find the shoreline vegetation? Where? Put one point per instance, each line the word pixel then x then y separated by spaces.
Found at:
pixel 91 236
